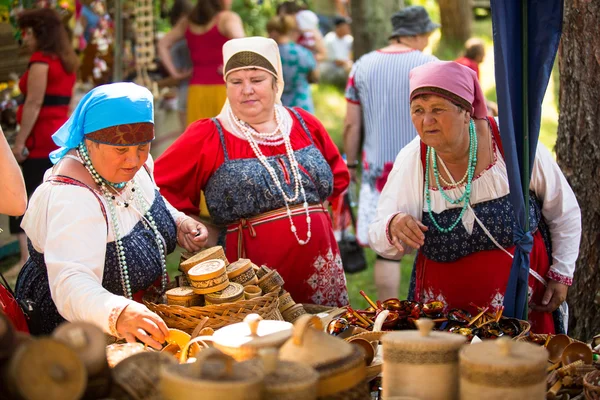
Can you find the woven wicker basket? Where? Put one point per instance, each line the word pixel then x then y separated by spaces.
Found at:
pixel 590 385
pixel 220 315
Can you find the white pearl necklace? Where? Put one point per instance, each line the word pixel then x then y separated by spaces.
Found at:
pixel 250 135
pixel 275 138
pixel 146 217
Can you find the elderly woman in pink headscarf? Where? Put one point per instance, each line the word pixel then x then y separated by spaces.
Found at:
pixel 447 197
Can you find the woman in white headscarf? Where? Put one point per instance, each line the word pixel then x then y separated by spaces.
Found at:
pixel 266 172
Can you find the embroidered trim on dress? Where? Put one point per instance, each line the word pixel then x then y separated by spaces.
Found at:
pixel 560 278
pixel 114 315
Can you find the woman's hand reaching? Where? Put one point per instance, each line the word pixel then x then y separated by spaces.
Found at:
pixel 137 322
pixel 191 234
pixel 405 230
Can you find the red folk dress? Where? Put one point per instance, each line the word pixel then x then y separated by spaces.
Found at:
pixel 243 199
pixel 55 109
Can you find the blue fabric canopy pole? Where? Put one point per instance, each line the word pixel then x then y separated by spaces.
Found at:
pixel 526 36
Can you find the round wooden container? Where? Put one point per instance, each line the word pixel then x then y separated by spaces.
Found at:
pixel 293 313
pixel 286 380
pixel 242 272
pixel 211 253
pixel 214 376
pixel 139 375
pixel 421 363
pixel 182 280
pixel 208 276
pixel 117 352
pixel 183 296
pixel 503 369
pixel 46 369
pixel 88 341
pixel 271 282
pixel 341 366
pixel 232 293
pixel 262 271
pixel 285 301
pixel 252 291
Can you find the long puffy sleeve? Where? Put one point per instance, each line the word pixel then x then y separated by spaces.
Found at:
pixel 561 211
pixel 74 250
pixel 341 176
pixel 183 170
pixel 403 192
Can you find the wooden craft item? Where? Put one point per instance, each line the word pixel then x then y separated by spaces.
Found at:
pixel 242 272
pixel 211 253
pixel 88 341
pixel 208 277
pixel 504 369
pixel 46 369
pixel 214 376
pixel 422 363
pixel 271 281
pixel 117 352
pixel 232 293
pixel 293 313
pixel 340 365
pixel 139 375
pixel 183 296
pixel 252 291
pixel 285 301
pixel 286 380
pixel 8 337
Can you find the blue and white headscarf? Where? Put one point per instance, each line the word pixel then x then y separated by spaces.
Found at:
pixel 108 106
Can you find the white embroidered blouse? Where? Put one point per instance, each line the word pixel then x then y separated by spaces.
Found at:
pixel 404 192
pixel 65 224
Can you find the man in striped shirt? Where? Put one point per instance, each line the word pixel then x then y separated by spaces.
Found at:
pixel 378 101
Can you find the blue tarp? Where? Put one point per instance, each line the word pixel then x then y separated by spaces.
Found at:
pixel 531 27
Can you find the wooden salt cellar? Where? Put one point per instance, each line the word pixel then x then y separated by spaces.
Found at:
pixel 422 363
pixel 286 380
pixel 503 369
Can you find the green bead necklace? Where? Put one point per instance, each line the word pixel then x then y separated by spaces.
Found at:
pixel 466 196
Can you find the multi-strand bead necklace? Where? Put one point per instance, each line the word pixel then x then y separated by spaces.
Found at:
pixel 277 137
pixel 466 196
pixel 114 202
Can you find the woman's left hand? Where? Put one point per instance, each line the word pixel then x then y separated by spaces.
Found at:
pixel 191 234
pixel 554 296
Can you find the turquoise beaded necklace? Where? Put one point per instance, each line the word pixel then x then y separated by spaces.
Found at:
pixel 147 218
pixel 466 196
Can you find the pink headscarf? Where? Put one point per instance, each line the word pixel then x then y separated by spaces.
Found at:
pixel 450 80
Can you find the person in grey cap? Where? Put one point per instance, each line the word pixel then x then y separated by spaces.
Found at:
pixel 377 96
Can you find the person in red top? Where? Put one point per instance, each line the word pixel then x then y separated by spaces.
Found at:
pixel 266 171
pixel 206 29
pixel 47 86
pixel 474 55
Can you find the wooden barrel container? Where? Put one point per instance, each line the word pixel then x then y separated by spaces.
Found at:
pixel 421 363
pixel 503 369
pixel 208 276
pixel 139 375
pixel 271 281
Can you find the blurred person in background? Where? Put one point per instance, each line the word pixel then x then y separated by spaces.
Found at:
pixel 47 86
pixel 328 10
pixel 377 95
pixel 13 198
pixel 206 28
pixel 473 55
pixel 307 21
pixel 299 64
pixel 180 54
pixel 338 43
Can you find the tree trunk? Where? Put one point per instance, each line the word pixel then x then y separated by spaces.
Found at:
pixel 578 154
pixel 371 23
pixel 456 16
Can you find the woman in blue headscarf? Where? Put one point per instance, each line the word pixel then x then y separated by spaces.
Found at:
pixel 98 228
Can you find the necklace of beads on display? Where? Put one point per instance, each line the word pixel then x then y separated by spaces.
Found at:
pixel 250 134
pixel 146 215
pixel 466 196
